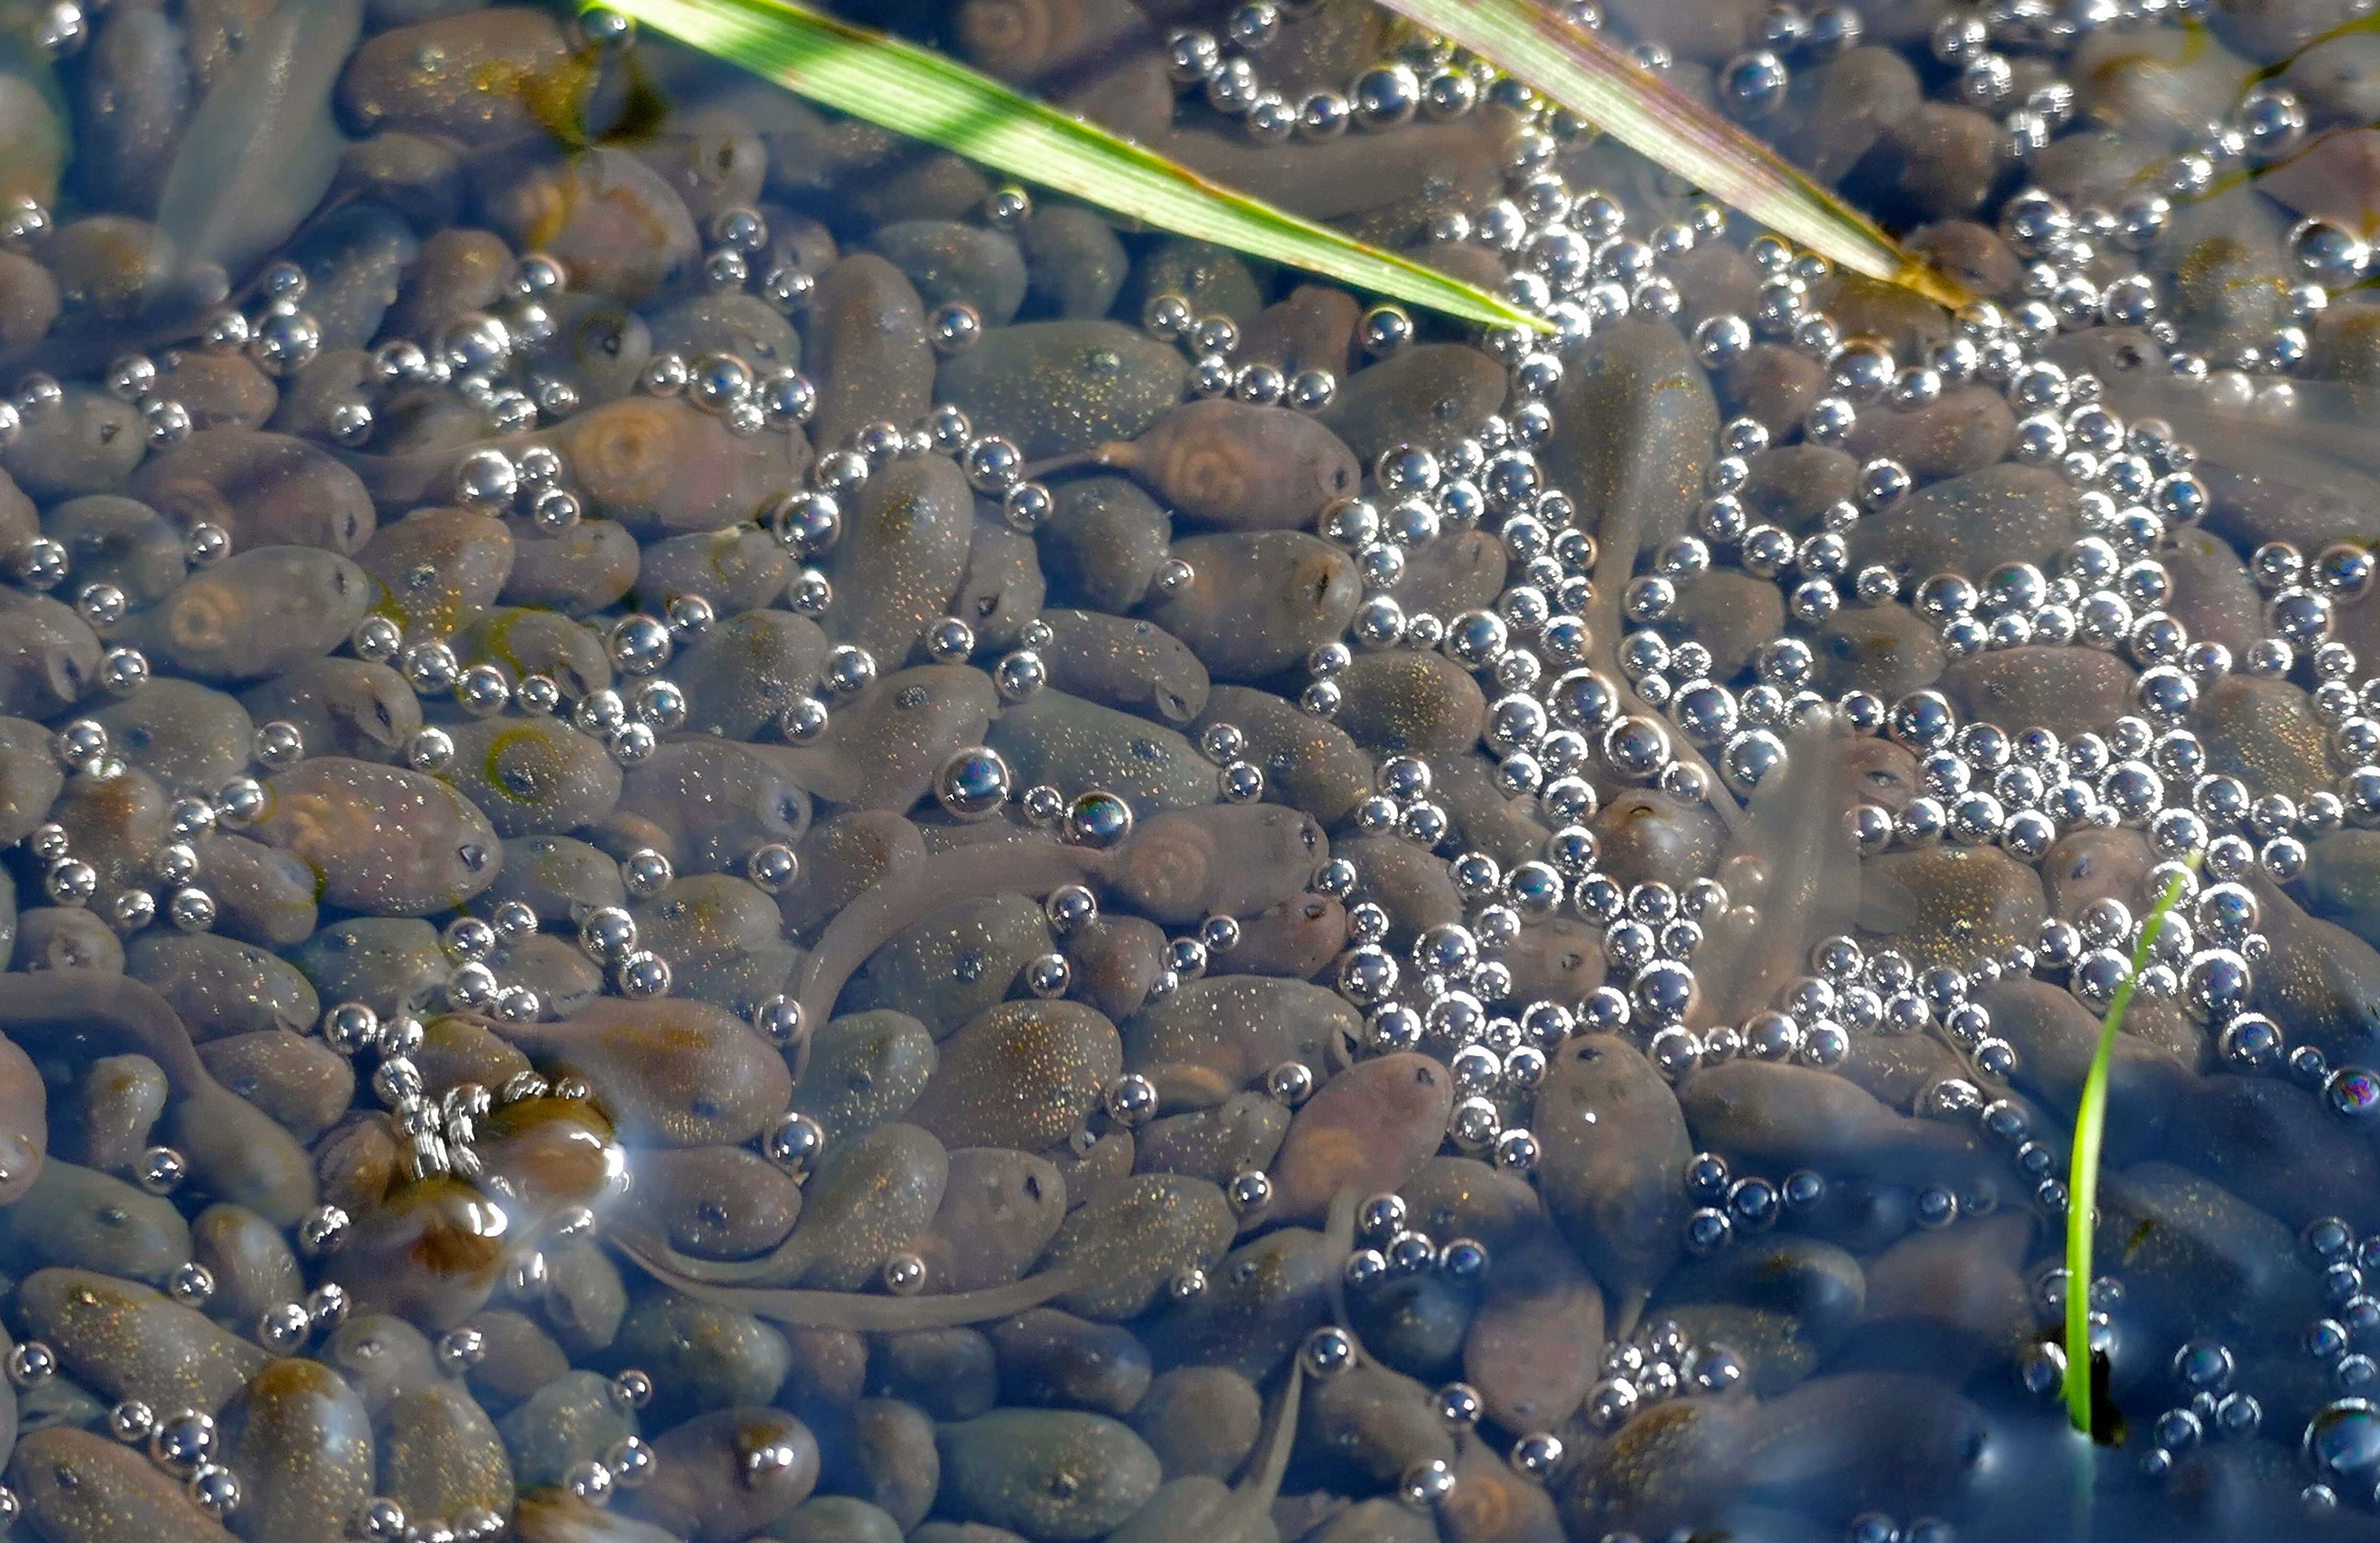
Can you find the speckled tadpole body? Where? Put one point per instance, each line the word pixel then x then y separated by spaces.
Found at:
pixel 1615 1146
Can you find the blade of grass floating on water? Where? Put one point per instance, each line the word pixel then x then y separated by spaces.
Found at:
pixel 926 95
pixel 2082 1178
pixel 1586 73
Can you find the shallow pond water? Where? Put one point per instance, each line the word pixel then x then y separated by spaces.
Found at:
pixel 717 829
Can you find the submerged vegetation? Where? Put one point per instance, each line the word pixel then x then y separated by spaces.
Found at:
pixel 2090 1132
pixel 715 828
pixel 916 91
pixel 1595 78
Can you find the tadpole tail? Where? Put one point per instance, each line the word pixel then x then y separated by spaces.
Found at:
pixel 1617 559
pixel 892 905
pixel 57 1011
pixel 776 1268
pixel 1338 1236
pixel 1108 455
pixel 1632 1310
pixel 863 1313
pixel 1264 1485
pixel 1795 837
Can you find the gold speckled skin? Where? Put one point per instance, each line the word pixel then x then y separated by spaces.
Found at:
pixel 253 1265
pixel 384 840
pixel 2264 733
pixel 896 732
pixel 1614 1142
pixel 1644 422
pixel 1965 429
pixel 1024 1074
pixel 713 1202
pixel 704 912
pixel 1212 1036
pixel 441 567
pixel 2343 879
pixel 2065 690
pixel 468 74
pixel 1134 1237
pixel 1243 1132
pixel 958 962
pixel 1257 1305
pixel 1369 1126
pixel 2320 979
pixel 1420 704
pixel 1379 1419
pixel 1427 395
pixel 1057 388
pixel 534 775
pixel 1257 601
pixel 669 1071
pixel 2003 513
pixel 301 1442
pixel 702 1488
pixel 440 1454
pixel 903 550
pixel 79 1486
pixel 1059 1473
pixel 1671 1466
pixel 869 1199
pixel 1067 741
pixel 865 1068
pixel 255 613
pixel 1952 904
pixel 867 349
pixel 1306 761
pixel 122 1339
pixel 2199 1254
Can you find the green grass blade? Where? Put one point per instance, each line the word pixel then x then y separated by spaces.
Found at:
pixel 2082 1181
pixel 926 95
pixel 1591 76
